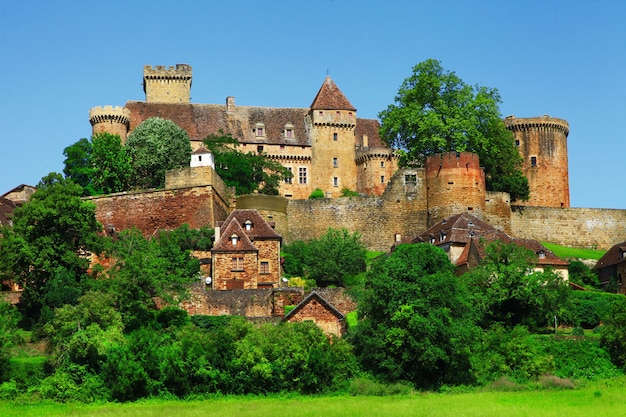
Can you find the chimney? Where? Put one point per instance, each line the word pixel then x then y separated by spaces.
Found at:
pixel 230 104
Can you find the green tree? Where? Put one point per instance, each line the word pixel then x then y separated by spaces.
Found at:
pixel 246 171
pixel 416 322
pixel 111 164
pixel 613 336
pixel 436 112
pixel 507 290
pixel 51 234
pixel 8 326
pixel 155 146
pixel 78 167
pixel 581 274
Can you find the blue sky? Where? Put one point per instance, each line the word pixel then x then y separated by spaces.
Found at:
pixel 562 58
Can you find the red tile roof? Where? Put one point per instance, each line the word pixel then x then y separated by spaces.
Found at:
pixel 330 97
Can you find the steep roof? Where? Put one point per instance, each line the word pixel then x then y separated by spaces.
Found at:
pixel 311 297
pixel 260 229
pixel 330 97
pixel 224 244
pixel 614 256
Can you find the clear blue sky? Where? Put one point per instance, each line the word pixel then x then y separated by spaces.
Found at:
pixel 562 58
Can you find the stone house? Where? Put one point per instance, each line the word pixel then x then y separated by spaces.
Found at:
pixel 463 237
pixel 246 253
pixel 612 266
pixel 317 309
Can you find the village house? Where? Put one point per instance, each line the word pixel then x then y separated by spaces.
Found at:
pixel 612 266
pixel 317 309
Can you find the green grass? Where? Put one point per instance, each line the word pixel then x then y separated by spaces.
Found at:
pixel 578 253
pixel 605 398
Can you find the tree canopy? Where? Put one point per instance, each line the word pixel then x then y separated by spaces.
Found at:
pixel 246 171
pixel 155 146
pixel 436 112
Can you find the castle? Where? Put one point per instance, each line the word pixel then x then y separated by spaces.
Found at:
pixel 327 146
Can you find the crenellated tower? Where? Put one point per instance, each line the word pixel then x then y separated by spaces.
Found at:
pixel 455 183
pixel 109 119
pixel 167 85
pixel 542 143
pixel 332 122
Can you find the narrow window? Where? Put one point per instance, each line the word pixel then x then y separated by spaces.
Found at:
pixel 237 264
pixel 338 113
pixel 516 142
pixel 199 158
pixel 335 164
pixel 248 225
pixel 334 136
pixel 259 129
pixel 533 161
pixel 302 175
pixel 288 180
pixel 382 179
pixel 259 149
pixel 265 267
pixel 289 134
pixel 382 164
pixel 233 240
pixel 335 182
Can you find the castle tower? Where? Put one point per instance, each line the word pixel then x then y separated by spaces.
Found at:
pixel 167 85
pixel 109 119
pixel 332 123
pixel 455 183
pixel 542 143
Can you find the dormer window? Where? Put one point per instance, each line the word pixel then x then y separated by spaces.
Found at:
pixel 248 225
pixel 234 239
pixel 541 254
pixel 259 130
pixel 442 236
pixel 432 239
pixel 288 131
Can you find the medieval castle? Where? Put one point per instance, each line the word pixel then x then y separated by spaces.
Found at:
pixel 327 146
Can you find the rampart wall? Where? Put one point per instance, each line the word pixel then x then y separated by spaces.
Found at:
pixel 575 227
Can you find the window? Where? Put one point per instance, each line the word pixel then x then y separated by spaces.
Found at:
pixel 265 267
pixel 259 130
pixel 302 175
pixel 442 236
pixel 349 114
pixel 321 113
pixel 410 178
pixel 199 158
pixel 248 225
pixel 335 182
pixel 288 180
pixel 542 254
pixel 234 239
pixel 335 136
pixel 335 164
pixel 259 149
pixel 382 179
pixel 533 161
pixel 338 113
pixel 237 264
pixel 288 131
pixel 516 142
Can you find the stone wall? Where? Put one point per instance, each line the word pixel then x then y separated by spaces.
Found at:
pixel 576 227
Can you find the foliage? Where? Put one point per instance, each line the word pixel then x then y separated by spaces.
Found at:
pixel 582 275
pixel 155 146
pixel 613 335
pixel 246 171
pixel 346 192
pixel 8 326
pixel 591 308
pixel 416 323
pixel 436 112
pixel 78 166
pixel 576 253
pixel 507 290
pixel 329 260
pixel 579 358
pixel 50 234
pixel 316 194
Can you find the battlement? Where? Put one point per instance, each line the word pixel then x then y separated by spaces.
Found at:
pixel 518 124
pixel 452 160
pixel 112 114
pixel 180 71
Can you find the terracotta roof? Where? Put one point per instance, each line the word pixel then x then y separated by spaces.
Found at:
pixel 201 151
pixel 330 97
pixel 614 256
pixel 261 229
pixel 314 296
pixel 224 244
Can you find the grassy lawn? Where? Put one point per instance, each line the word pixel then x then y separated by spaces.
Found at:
pixel 604 398
pixel 565 252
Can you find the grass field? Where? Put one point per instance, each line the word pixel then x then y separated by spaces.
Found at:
pixel 605 398
pixel 565 252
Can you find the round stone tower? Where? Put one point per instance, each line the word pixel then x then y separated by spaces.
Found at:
pixel 542 143
pixel 455 183
pixel 109 119
pixel 167 85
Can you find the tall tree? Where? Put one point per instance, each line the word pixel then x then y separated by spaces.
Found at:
pixel 247 172
pixel 155 146
pixel 416 323
pixel 51 234
pixel 78 165
pixel 111 163
pixel 436 112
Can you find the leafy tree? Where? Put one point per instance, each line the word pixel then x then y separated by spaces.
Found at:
pixel 155 146
pixel 613 336
pixel 51 233
pixel 507 290
pixel 78 165
pixel 247 172
pixel 436 112
pixel 8 326
pixel 111 163
pixel 581 274
pixel 416 322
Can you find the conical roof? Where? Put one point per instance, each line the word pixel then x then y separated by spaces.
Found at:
pixel 330 97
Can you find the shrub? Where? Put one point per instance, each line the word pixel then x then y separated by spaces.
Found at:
pixel 590 308
pixel 317 193
pixel 346 192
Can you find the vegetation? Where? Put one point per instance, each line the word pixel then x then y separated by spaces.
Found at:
pixel 565 252
pixel 155 146
pixel 436 112
pixel 316 194
pixel 246 171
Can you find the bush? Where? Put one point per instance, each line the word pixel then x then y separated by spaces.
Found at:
pixel 613 335
pixel 317 193
pixel 589 308
pixel 578 358
pixel 346 192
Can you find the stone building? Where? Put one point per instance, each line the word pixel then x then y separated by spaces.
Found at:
pixel 246 254
pixel 317 309
pixel 612 266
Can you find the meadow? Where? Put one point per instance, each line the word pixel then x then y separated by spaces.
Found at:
pixel 601 398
